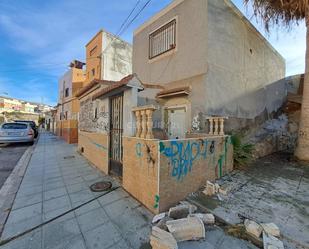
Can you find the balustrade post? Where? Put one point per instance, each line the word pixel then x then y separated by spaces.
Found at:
pixel 221 126
pixel 144 124
pixel 216 126
pixel 149 134
pixel 211 126
pixel 138 123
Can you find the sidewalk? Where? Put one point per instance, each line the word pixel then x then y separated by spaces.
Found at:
pixel 57 181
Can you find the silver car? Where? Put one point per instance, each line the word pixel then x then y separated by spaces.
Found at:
pixel 16 133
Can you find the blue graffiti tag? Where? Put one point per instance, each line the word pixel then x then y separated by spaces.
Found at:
pixel 138 149
pixel 182 156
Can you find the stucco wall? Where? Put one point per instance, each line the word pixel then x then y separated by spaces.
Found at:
pixel 240 62
pixel 95 148
pixel 160 173
pixel 188 59
pixel 117 58
pixel 140 170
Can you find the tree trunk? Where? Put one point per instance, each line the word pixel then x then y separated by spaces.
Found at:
pixel 302 149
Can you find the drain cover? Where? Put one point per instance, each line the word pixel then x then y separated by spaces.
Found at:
pixel 100 186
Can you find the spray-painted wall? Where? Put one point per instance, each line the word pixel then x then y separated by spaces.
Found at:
pixel 160 173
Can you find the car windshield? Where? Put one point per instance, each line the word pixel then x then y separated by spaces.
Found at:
pixel 14 126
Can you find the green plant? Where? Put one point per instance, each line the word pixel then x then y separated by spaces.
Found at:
pixel 243 152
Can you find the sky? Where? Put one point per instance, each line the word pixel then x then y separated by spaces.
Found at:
pixel 38 39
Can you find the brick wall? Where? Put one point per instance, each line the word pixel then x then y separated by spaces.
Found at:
pixel 95 147
pixel 183 166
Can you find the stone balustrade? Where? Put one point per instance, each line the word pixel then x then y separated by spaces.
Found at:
pixel 144 123
pixel 216 125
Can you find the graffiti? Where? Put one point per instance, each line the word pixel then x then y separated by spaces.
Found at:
pixel 182 156
pixel 93 118
pixel 138 150
pixel 157 199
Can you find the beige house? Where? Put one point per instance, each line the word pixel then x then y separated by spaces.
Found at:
pixel 210 60
pixel 68 106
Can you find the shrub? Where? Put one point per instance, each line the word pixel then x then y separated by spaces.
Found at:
pixel 242 151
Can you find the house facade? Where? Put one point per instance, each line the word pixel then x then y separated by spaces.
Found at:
pixel 108 61
pixel 209 64
pixel 68 106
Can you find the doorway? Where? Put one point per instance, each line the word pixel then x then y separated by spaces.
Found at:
pixel 116 131
pixel 176 123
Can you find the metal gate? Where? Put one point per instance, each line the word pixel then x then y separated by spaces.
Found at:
pixel 116 130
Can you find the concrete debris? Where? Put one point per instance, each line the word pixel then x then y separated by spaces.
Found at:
pixel 217 187
pixel 208 219
pixel 181 211
pixel 161 239
pixel 271 229
pixel 191 228
pixel 219 197
pixel 224 190
pixel 158 217
pixel 253 228
pixel 210 189
pixel 192 208
pixel 271 242
pixel 162 223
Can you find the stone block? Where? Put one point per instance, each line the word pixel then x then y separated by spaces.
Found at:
pixel 208 219
pixel 271 228
pixel 161 239
pixel 191 228
pixel 271 242
pixel 253 228
pixel 181 211
pixel 210 189
pixel 158 217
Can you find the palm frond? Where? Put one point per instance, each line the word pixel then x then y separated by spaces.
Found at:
pixel 284 12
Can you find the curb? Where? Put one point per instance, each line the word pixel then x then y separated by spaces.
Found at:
pixel 11 186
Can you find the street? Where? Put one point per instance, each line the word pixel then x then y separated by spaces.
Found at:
pixel 9 156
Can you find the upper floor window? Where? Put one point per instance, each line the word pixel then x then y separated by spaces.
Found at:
pixel 66 94
pixel 163 39
pixel 93 71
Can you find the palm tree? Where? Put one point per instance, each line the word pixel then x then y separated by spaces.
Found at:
pixel 288 12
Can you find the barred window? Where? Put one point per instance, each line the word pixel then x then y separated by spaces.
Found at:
pixel 162 40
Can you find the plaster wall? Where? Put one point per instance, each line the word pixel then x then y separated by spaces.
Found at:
pixel 116 61
pixel 188 58
pixel 160 173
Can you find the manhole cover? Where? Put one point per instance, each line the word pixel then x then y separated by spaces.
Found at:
pixel 100 186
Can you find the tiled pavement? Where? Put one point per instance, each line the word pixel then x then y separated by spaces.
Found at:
pixel 57 180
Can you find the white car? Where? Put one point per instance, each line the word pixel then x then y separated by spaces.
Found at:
pixel 16 133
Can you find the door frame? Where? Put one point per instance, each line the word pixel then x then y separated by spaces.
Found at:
pixel 112 162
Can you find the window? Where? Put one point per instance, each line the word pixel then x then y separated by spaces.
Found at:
pixel 162 40
pixel 66 115
pixel 66 92
pixel 93 71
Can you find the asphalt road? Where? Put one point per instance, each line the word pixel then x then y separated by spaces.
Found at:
pixel 9 156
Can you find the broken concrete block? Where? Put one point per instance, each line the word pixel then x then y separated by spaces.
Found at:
pixel 158 217
pixel 253 228
pixel 192 208
pixel 210 189
pixel 181 211
pixel 161 239
pixel 271 228
pixel 271 242
pixel 162 223
pixel 217 187
pixel 208 219
pixel 191 228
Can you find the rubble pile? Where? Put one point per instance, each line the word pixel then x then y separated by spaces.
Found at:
pixel 180 223
pixel 269 231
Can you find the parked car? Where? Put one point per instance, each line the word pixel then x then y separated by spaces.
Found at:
pixel 16 133
pixel 33 126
